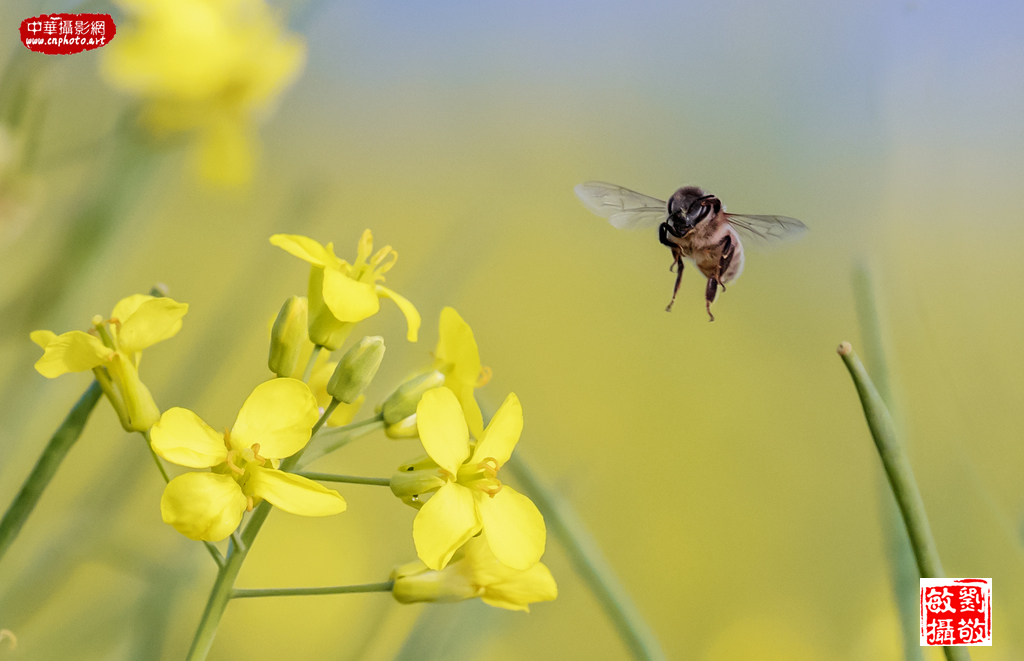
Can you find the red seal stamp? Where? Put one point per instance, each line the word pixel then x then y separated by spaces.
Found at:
pixel 956 611
pixel 66 34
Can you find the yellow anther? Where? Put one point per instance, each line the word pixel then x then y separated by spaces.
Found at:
pixel 485 376
pixel 227 438
pixel 256 454
pixel 248 503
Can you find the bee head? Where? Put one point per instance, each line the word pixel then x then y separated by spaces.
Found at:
pixel 684 207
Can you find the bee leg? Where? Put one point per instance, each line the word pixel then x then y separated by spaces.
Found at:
pixel 679 279
pixel 728 250
pixel 709 295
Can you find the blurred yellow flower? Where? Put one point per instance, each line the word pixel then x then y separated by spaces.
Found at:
pixel 474 572
pixel 137 322
pixel 212 67
pixel 342 294
pixel 469 498
pixel 275 422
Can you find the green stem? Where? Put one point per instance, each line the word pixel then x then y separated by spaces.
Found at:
pixel 223 586
pixel 337 438
pixel 46 466
pixel 156 457
pixel 308 372
pixel 348 479
pixel 299 592
pixel 588 560
pixel 901 477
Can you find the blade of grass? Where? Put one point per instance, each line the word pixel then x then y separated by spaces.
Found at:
pixel 46 466
pixel 901 477
pixel 588 560
pixel 903 572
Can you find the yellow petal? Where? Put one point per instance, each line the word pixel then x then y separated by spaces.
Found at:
pixel 457 347
pixel 502 434
pixel 525 587
pixel 513 527
pixel 444 523
pixel 464 393
pixel 302 247
pixel 72 352
pixel 294 494
pixel 348 299
pixel 279 415
pixel 203 505
pixel 443 429
pixel 503 586
pixel 127 306
pixel 181 437
pixel 153 321
pixel 42 337
pixel 412 316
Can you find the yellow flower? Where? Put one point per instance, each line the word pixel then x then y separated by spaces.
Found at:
pixel 458 358
pixel 342 294
pixel 212 67
pixel 274 422
pixel 474 572
pixel 137 322
pixel 468 498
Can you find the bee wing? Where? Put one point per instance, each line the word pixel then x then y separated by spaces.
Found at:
pixel 624 208
pixel 767 230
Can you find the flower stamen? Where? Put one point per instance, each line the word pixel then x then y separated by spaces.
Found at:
pixel 256 454
pixel 248 503
pixel 485 376
pixel 231 462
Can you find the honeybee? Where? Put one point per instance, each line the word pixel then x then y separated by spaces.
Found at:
pixel 694 225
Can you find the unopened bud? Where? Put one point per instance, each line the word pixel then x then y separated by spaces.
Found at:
pixel 356 369
pixel 414 582
pixel 403 429
pixel 288 336
pixel 324 329
pixel 411 485
pixel 403 402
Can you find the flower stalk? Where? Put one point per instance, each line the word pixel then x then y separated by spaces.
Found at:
pixel 224 586
pixel 347 479
pixel 306 592
pixel 46 466
pixel 901 477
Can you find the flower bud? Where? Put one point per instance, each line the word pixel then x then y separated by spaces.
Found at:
pixel 402 403
pixel 410 484
pixel 403 429
pixel 414 582
pixel 324 329
pixel 288 336
pixel 356 369
pixel 142 411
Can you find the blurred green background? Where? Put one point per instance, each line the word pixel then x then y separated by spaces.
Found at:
pixel 725 468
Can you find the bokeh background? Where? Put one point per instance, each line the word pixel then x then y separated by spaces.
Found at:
pixel 725 468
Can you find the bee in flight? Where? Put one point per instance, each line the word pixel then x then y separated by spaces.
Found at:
pixel 694 225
